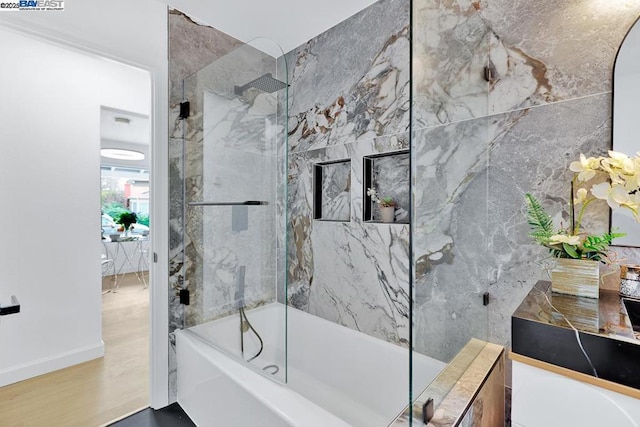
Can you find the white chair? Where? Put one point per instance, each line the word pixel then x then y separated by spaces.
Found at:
pixel 109 265
pixel 143 261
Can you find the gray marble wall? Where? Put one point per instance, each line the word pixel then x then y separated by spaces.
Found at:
pixel 349 98
pixel 478 146
pixel 484 144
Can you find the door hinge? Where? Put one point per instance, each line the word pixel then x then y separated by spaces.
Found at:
pixel 485 299
pixel 184 110
pixel 427 411
pixel 490 72
pixel 155 257
pixel 12 308
pixel 184 296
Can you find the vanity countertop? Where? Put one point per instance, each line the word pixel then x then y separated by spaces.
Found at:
pixel 552 328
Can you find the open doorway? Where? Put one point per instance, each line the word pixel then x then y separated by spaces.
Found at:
pixel 125 140
pixel 57 357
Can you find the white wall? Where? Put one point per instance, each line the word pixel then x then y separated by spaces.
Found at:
pixel 136 33
pixel 49 187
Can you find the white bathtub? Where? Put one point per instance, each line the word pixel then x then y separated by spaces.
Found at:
pixel 335 377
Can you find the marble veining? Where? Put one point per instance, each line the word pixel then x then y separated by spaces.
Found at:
pixel 449 55
pixel 557 51
pixel 352 273
pixel 371 46
pixel 478 147
pixel 571 127
pixel 450 236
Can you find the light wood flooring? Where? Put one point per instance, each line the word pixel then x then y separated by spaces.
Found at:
pixel 93 393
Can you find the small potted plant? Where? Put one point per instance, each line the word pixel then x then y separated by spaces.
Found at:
pixel 387 205
pixel 126 219
pixel 579 251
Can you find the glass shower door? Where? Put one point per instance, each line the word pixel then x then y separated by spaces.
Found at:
pixel 234 185
pixel 451 223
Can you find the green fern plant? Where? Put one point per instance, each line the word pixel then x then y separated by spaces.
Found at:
pixel 565 243
pixel 540 222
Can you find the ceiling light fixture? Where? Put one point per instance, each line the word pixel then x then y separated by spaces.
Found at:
pixel 121 154
pixel 122 120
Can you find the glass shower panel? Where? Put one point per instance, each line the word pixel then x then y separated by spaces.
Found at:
pixel 234 145
pixel 449 165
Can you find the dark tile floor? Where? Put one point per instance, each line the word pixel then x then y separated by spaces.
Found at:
pixel 170 416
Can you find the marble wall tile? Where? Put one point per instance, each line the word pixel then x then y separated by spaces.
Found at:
pixel 530 152
pixel 539 55
pixel 351 83
pixel 450 51
pixel 450 235
pixel 550 51
pixel 192 46
pixel 352 273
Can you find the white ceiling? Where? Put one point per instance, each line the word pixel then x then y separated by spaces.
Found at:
pixel 134 135
pixel 289 23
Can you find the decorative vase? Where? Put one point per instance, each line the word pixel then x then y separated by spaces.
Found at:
pixel 388 213
pixel 630 280
pixel 576 277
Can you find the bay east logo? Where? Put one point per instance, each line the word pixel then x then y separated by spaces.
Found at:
pixel 41 4
pixel 31 5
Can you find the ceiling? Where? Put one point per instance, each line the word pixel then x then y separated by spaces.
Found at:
pixel 132 135
pixel 289 23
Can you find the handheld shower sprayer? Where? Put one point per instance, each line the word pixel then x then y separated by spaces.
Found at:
pixel 239 295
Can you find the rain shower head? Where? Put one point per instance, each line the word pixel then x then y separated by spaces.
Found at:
pixel 265 83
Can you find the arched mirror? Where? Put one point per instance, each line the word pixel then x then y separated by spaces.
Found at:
pixel 626 122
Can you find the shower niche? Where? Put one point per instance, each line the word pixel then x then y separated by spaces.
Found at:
pixel 388 174
pixel 332 191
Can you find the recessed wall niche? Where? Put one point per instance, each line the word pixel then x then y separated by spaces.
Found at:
pixel 388 173
pixel 332 191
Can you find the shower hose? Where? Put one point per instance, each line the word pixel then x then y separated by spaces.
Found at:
pixel 243 318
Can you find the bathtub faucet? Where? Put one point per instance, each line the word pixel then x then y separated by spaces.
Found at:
pixel 239 295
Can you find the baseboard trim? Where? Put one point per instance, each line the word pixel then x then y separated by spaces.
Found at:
pixel 50 364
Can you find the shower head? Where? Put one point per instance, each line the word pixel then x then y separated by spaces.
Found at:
pixel 265 83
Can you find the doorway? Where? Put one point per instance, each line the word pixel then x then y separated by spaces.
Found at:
pixel 50 181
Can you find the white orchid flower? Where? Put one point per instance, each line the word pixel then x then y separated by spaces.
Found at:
pixel 581 196
pixel 585 167
pixel 563 238
pixel 615 194
pixel 371 192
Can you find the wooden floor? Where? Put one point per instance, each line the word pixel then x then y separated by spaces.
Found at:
pixel 96 392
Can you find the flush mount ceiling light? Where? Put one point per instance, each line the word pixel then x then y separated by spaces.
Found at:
pixel 121 154
pixel 122 120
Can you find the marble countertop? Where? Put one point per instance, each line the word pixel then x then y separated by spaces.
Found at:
pixel 605 316
pixel 592 336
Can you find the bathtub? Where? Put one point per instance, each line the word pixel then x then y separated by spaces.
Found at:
pixel 335 376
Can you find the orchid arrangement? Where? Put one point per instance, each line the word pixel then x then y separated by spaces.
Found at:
pixel 384 202
pixel 621 190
